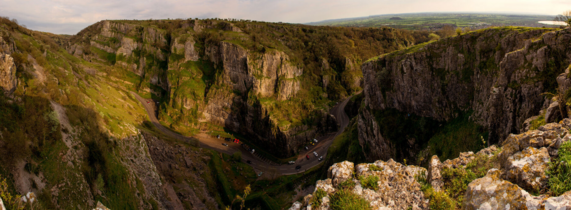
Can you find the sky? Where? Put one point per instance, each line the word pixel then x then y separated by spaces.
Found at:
pixel 70 16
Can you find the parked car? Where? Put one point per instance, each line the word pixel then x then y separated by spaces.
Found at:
pixel 225 144
pixel 248 161
pixel 307 156
pixel 306 148
pixel 291 162
pixel 315 140
pixel 297 167
pixel 228 139
pixel 321 158
pixel 260 174
pixel 252 151
pixel 315 153
pixel 217 136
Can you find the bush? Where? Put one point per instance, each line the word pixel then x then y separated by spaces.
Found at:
pixel 559 172
pixel 347 200
pixel 370 182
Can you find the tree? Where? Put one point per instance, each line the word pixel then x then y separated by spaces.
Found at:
pixel 564 17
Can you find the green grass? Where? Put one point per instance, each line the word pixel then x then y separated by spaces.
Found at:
pixel 559 171
pixel 347 200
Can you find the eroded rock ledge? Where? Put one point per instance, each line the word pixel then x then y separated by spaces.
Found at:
pixel 515 179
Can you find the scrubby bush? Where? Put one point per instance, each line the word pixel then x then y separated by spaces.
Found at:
pixel 370 182
pixel 347 184
pixel 347 200
pixel 560 171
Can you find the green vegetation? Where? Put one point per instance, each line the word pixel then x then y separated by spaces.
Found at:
pixel 374 167
pixel 417 21
pixel 347 184
pixel 317 198
pixel 456 180
pixel 458 135
pixel 370 182
pixel 347 200
pixel 536 123
pixel 559 171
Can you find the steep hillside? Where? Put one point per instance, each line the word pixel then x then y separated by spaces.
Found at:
pixel 71 133
pixel 271 82
pixel 465 90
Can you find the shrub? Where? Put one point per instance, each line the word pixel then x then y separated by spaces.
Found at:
pixel 347 200
pixel 347 184
pixel 317 198
pixel 559 172
pixel 439 200
pixel 370 182
pixel 374 167
pixel 535 124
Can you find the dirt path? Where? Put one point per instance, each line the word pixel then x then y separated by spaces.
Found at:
pixel 206 141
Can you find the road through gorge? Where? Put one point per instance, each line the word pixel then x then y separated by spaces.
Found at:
pixel 260 165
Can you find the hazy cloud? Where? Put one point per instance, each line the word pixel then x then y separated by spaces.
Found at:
pixel 70 16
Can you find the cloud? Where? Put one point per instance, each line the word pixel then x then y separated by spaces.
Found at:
pixel 70 16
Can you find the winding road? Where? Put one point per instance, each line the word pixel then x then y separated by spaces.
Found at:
pixel 260 165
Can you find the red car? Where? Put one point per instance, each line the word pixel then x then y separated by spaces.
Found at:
pixel 307 156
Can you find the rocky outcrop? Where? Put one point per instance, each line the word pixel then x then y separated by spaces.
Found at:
pixel 127 46
pixel 516 169
pixel 497 73
pixel 491 192
pixel 397 187
pixel 273 73
pixel 527 168
pixel 8 80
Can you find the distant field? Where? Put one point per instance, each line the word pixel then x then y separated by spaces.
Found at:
pixel 418 21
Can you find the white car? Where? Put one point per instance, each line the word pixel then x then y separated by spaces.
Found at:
pixel 315 153
pixel 321 158
pixel 315 140
pixel 291 162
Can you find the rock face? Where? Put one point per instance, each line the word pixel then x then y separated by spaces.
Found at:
pixel 8 80
pixel 497 73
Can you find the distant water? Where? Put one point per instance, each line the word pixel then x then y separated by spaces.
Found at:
pixel 557 23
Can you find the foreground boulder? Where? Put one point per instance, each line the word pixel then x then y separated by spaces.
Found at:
pixel 527 168
pixel 491 192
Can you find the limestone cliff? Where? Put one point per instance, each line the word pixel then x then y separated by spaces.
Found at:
pixel 237 74
pixel 499 75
